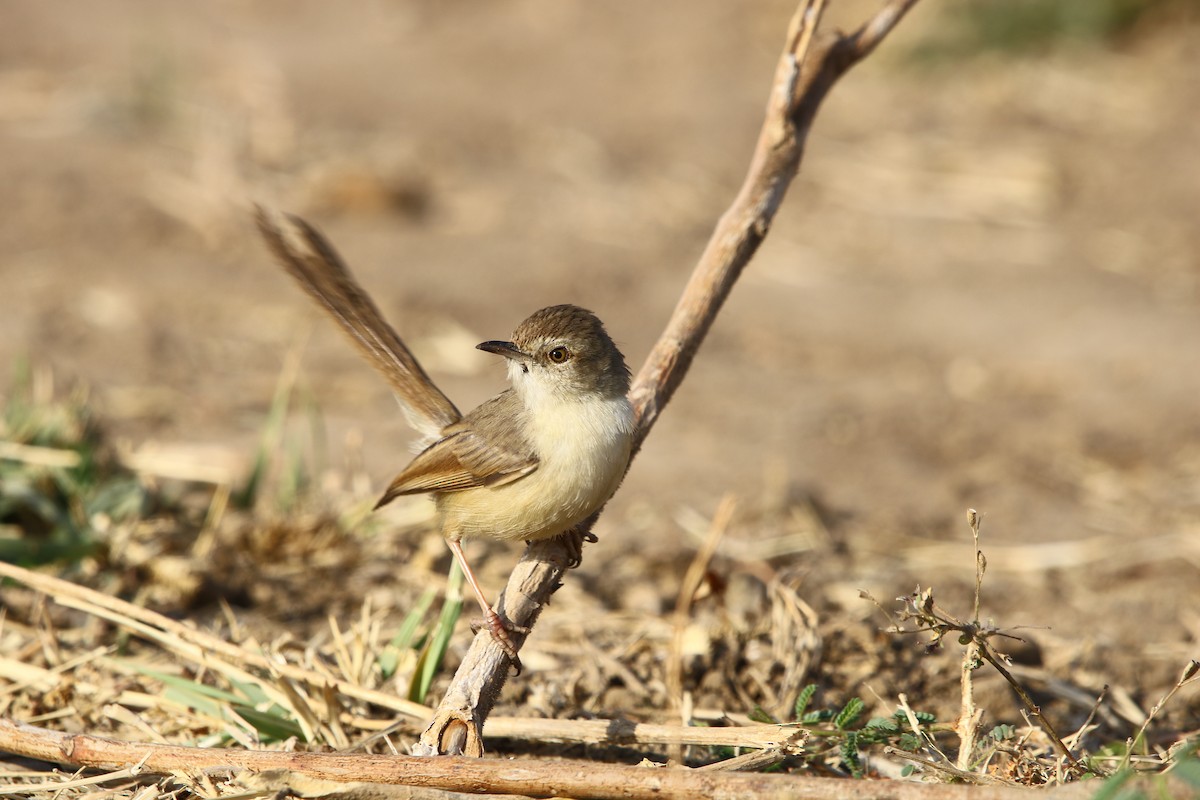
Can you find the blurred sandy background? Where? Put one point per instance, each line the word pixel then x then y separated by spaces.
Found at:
pixel 982 292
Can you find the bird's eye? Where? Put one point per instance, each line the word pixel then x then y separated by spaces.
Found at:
pixel 559 355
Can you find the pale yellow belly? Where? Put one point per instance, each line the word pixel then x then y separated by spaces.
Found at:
pixel 581 464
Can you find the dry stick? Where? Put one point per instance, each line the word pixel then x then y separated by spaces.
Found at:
pixel 1077 736
pixel 626 733
pixel 1034 709
pixel 969 716
pixel 806 71
pixel 578 779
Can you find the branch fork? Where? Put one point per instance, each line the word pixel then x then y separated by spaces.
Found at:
pixel 803 77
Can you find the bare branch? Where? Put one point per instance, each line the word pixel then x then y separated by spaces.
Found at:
pixel 807 69
pixel 873 32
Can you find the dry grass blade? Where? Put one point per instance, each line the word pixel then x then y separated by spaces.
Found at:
pixel 35 455
pixel 1188 675
pixel 191 644
pixel 71 783
pixel 692 581
pixel 25 676
pixel 940 760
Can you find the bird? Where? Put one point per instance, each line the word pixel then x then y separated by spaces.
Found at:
pixel 529 464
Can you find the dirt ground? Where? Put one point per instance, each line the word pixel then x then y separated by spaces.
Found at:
pixel 983 291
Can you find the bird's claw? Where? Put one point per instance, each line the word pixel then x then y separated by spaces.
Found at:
pixel 500 629
pixel 573 540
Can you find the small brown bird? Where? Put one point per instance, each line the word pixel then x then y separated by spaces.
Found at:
pixel 529 464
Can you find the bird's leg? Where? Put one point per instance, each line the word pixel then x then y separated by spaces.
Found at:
pixel 497 626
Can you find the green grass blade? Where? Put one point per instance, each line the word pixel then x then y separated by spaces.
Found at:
pixel 271 725
pixel 389 658
pixel 188 687
pixel 272 435
pixel 431 657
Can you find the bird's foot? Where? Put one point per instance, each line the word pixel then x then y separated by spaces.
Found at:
pixel 500 629
pixel 573 540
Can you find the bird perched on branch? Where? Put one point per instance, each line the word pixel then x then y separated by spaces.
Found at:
pixel 529 464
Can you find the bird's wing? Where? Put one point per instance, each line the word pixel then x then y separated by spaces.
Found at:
pixel 487 448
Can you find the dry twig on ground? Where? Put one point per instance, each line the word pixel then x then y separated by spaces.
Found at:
pixel 475 776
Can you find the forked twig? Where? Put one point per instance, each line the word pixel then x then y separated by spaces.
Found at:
pixel 807 69
pixel 928 616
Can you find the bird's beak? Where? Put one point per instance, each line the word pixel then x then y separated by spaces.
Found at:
pixel 506 349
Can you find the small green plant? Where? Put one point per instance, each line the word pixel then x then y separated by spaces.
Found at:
pixel 400 652
pixel 59 483
pixel 844 738
pixel 920 614
pixel 925 616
